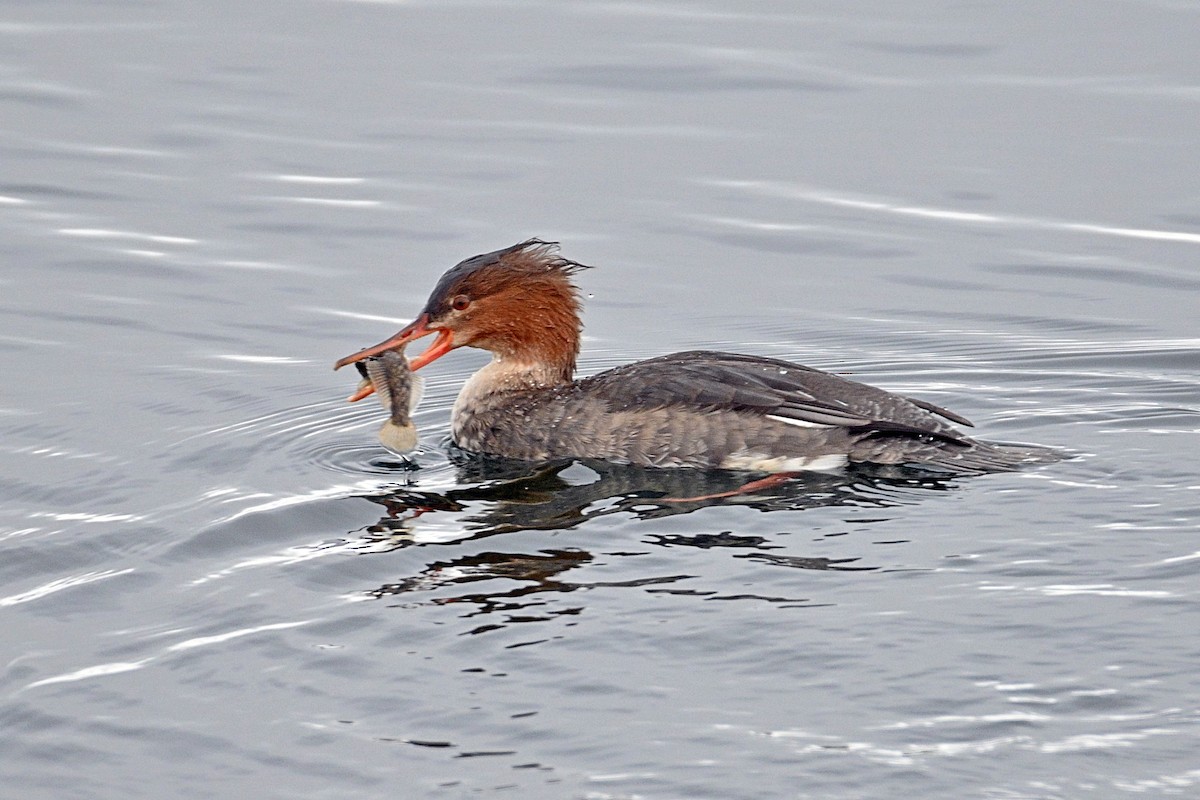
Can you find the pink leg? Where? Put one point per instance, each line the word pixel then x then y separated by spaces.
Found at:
pixel 769 482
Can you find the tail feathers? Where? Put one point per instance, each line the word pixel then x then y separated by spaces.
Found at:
pixel 964 457
pixel 979 457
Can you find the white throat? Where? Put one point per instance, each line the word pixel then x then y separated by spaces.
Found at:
pixel 498 376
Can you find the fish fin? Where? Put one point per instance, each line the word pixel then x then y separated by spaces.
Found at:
pixel 378 376
pixel 416 393
pixel 365 389
pixel 398 438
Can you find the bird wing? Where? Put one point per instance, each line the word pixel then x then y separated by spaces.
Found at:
pixel 715 381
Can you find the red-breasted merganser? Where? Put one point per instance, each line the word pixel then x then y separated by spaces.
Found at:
pixel 694 409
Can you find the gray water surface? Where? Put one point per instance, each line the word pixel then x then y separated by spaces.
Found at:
pixel 215 583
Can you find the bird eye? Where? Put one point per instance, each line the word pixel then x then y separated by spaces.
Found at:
pixel 460 302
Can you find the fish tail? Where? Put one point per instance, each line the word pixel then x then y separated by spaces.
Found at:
pixel 398 438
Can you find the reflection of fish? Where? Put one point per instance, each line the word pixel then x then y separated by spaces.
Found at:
pixel 399 390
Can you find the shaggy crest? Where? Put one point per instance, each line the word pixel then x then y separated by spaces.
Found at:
pixel 484 274
pixel 482 299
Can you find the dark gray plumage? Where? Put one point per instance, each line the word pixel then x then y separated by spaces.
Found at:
pixel 709 409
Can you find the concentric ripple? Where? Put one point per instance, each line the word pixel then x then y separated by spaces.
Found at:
pixel 358 458
pixel 327 433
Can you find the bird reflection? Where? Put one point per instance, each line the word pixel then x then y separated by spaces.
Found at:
pixel 496 496
pixel 535 574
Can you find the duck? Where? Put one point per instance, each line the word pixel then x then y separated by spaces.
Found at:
pixel 697 409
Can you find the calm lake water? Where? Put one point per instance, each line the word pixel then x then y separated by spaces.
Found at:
pixel 214 583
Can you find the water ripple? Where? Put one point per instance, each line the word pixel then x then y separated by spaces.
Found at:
pixel 949 215
pixel 364 458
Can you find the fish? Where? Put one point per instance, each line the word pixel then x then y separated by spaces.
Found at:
pixel 399 390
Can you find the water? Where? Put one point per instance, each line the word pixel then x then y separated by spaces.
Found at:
pixel 214 583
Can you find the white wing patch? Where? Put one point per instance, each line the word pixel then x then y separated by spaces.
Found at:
pixel 761 462
pixel 799 423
